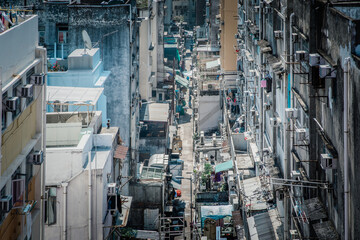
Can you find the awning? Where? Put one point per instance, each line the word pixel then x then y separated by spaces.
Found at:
pixel 300 100
pixel 224 166
pixel 121 152
pixel 182 81
pixel 213 64
pixel 325 230
pixel 73 95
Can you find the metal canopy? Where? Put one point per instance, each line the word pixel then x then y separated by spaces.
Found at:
pixel 73 95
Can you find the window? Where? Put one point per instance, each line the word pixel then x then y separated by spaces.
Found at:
pixel 18 189
pixel 160 97
pixel 41 35
pixel 28 81
pixel 3 117
pixel 2 194
pixel 17 92
pixel 280 136
pixel 62 34
pixel 50 206
pixel 153 93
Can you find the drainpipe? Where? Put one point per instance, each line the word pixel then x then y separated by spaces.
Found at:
pixel 0 111
pixel 130 69
pixel 90 193
pixel 292 122
pixel 64 185
pixel 287 206
pixel 43 145
pixel 346 136
pixel 262 69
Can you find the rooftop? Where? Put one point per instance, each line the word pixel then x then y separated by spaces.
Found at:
pixel 73 95
pixel 156 112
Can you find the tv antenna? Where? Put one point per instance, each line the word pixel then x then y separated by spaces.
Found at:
pixel 87 41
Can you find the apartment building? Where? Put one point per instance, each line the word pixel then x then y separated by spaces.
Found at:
pixel 23 78
pixel 228 22
pixel 83 178
pixel 152 72
pixel 82 73
pixel 297 62
pixel 114 29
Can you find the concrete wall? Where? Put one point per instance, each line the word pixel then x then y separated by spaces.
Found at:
pixel 152 145
pixel 146 195
pixel 145 67
pixel 19 51
pixel 227 36
pixel 116 56
pixel 209 112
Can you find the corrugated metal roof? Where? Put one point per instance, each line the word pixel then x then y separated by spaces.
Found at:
pixel 120 152
pixel 255 199
pixel 265 226
pixel 314 209
pixel 182 81
pixel 325 230
pixel 157 112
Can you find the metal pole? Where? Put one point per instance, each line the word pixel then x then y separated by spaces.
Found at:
pixel 346 159
pixel 191 215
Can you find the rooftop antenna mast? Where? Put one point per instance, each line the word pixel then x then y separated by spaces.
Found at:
pixel 87 41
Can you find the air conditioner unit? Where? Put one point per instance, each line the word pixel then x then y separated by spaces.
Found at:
pixel 37 157
pixel 267 10
pixel 291 113
pixel 251 73
pixel 6 203
pixel 111 189
pixel 314 59
pixel 294 234
pixel 113 204
pixel 267 106
pixel 325 71
pixel 278 34
pixel 300 134
pixel 295 37
pixel 202 138
pixel 295 174
pixel 12 103
pixel 27 91
pixel 300 56
pixel 328 162
pixel 273 122
pixel 38 79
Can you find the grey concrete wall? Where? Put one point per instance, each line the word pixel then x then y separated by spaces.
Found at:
pixel 145 195
pixel 115 54
pixel 152 145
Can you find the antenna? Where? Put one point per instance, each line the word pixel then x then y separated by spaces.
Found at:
pixel 87 41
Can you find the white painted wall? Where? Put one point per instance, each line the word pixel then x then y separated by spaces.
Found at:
pixel 209 112
pixel 18 51
pixel 77 197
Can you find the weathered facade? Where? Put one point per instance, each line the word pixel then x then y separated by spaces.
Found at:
pixel 295 58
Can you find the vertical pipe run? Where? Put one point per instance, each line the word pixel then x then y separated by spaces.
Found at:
pixel 64 185
pixel 43 145
pixel 90 219
pixel 346 136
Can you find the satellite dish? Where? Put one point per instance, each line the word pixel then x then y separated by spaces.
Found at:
pixel 87 40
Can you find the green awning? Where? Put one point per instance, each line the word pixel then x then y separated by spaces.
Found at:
pixel 224 166
pixel 182 81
